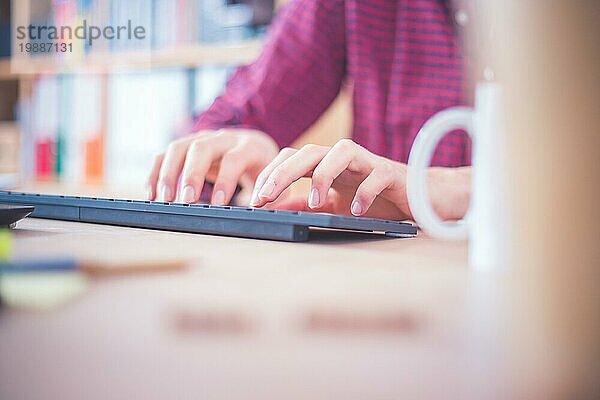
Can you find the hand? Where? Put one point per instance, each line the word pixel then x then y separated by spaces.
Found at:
pixel 348 179
pixel 226 157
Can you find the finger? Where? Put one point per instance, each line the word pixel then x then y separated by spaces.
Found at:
pixel 298 204
pixel 375 183
pixel 290 170
pixel 232 167
pixel 200 156
pixel 293 204
pixel 338 159
pixel 283 155
pixel 170 170
pixel 153 178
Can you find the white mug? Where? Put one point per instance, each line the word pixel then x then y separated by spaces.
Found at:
pixel 485 222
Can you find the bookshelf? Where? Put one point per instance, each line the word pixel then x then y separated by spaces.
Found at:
pixel 190 56
pixel 5 71
pixel 89 114
pixel 97 113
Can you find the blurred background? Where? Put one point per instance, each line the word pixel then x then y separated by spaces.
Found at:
pixel 96 116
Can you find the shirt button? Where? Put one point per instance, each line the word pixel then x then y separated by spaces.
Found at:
pixel 461 17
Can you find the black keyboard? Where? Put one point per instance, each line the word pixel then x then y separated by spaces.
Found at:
pixel 199 218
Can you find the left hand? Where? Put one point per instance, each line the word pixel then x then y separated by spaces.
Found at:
pixel 348 179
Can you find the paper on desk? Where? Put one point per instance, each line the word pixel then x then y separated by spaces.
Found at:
pixel 41 291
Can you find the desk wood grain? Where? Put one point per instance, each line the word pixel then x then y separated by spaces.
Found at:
pixel 337 317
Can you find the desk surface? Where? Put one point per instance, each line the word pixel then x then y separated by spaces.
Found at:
pixel 338 317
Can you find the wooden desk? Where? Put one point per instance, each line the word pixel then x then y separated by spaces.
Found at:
pixel 250 319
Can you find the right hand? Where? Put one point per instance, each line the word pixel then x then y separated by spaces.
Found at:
pixel 225 157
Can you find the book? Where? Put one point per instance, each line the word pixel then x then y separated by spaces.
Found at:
pixel 144 109
pixel 45 125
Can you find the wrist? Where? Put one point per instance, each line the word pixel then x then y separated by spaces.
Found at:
pixel 449 191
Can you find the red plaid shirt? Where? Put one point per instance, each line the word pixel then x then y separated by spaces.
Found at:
pixel 404 59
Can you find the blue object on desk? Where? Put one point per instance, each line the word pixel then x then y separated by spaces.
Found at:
pixel 58 264
pixel 200 218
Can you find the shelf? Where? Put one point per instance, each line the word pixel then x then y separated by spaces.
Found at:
pixel 5 70
pixel 187 57
pixel 9 150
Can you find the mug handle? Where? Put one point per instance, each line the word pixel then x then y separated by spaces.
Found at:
pixel 418 162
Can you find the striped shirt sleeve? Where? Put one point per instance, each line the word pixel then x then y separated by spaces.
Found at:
pixel 295 78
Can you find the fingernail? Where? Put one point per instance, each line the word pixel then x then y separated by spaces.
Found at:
pixel 219 198
pixel 188 195
pixel 165 193
pixel 313 200
pixel 356 208
pixel 254 199
pixel 267 189
pixel 149 193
